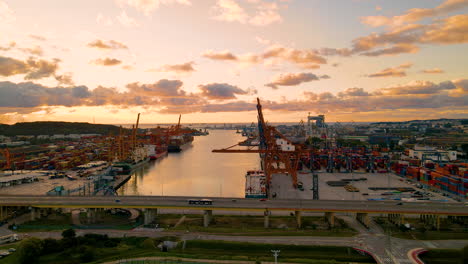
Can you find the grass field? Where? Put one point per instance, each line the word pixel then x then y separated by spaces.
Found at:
pixel 444 256
pixel 109 249
pixel 422 232
pixel 254 225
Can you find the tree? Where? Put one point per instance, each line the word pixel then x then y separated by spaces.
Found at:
pixel 148 244
pixel 464 148
pixel 88 255
pixel 50 245
pixel 465 254
pixel 29 250
pixel 69 233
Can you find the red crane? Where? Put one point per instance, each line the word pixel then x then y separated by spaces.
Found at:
pixel 276 158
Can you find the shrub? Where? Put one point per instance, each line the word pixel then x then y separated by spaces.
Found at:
pixel 148 244
pixel 29 250
pixel 88 255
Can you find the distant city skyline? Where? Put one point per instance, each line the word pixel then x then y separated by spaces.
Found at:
pixel 353 60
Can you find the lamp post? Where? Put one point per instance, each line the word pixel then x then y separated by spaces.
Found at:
pixel 276 254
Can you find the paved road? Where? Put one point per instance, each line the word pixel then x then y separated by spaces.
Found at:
pixel 440 208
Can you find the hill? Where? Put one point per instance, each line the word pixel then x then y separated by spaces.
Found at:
pixel 51 128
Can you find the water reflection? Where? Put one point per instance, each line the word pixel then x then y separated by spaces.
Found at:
pixel 196 171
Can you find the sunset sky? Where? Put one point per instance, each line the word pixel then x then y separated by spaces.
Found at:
pixel 352 60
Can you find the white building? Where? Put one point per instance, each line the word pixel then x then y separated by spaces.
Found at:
pixel 426 152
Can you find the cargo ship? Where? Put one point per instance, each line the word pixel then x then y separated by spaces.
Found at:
pixel 155 152
pixel 179 142
pixel 255 184
pixel 138 158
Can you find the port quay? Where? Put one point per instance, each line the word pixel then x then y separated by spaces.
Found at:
pixel 310 169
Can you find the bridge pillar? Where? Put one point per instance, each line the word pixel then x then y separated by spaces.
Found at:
pixel 207 215
pixel 91 213
pixel 149 215
pixel 330 216
pixel 33 214
pixel 266 219
pixel 298 215
pixel 1 213
pixel 363 218
pixel 437 224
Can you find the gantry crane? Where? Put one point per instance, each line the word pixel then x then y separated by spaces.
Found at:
pixel 275 158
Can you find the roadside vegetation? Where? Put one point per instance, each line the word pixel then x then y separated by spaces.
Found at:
pixel 220 224
pixel 419 230
pixel 93 248
pixel 254 225
pixel 445 256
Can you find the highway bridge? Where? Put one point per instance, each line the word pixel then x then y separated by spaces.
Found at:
pixel 429 210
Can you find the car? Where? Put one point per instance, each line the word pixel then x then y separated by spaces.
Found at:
pixel 234 200
pixel 11 249
pixel 263 200
pixel 117 201
pixel 399 204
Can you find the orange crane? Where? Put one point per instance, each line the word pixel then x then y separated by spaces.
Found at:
pixel 275 158
pixel 7 155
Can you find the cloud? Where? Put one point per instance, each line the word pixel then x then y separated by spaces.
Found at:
pixel 452 30
pixel 398 71
pixel 306 59
pixel 65 79
pixel 415 14
pixel 418 87
pixel 9 47
pixel 148 6
pixel 33 68
pixel 166 96
pixel 101 19
pixel 394 50
pixel 351 92
pixel 434 70
pixel 334 52
pixel 162 87
pixel 223 55
pixel 220 91
pixel 37 50
pixel 7 16
pixel 37 37
pixel 230 11
pixel 127 21
pixel 179 68
pixel 293 79
pixel 404 39
pixel 127 67
pixel 265 13
pixel 111 44
pixel 107 62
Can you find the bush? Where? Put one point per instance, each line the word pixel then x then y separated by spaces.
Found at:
pixel 88 255
pixel 51 245
pixel 69 233
pixel 29 250
pixel 148 244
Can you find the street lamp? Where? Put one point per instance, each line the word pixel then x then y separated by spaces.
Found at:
pixel 276 254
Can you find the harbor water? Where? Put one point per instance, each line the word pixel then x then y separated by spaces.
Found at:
pixel 196 171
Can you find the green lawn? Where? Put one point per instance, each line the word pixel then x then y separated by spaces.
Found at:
pixel 444 256
pixel 136 247
pixel 422 232
pixel 254 225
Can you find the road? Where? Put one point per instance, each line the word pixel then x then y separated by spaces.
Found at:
pixel 236 204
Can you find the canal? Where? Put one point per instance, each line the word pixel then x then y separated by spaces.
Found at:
pixel 196 171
